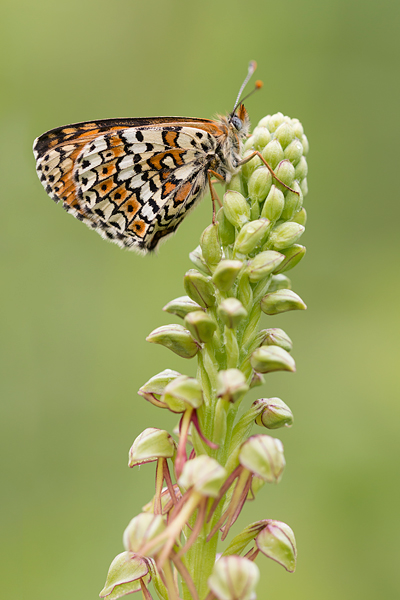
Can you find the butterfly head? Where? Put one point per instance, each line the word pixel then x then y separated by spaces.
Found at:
pixel 239 120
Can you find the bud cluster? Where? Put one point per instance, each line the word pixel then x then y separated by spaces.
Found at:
pixel 205 477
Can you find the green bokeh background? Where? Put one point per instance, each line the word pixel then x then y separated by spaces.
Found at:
pixel 76 310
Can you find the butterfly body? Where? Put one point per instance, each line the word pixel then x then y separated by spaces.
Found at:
pixel 134 180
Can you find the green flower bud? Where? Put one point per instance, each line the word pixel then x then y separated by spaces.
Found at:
pixel 275 413
pixel 197 259
pixel 231 312
pixel 257 380
pixel 263 456
pixel 276 337
pixel 285 134
pixel 304 141
pixel 294 152
pixel 234 577
pixel 304 186
pixel 124 575
pixel 300 217
pixel 182 393
pixel 252 235
pixel 200 325
pixel 293 202
pixel 301 169
pixel 176 338
pixel 231 385
pixel 236 208
pixel 274 204
pixel 210 245
pixel 199 288
pixel 273 153
pixel 279 282
pixel 151 445
pixel 267 359
pixel 181 306
pixel 293 255
pixel 285 172
pixel 281 301
pixel 225 274
pixel 285 235
pixel 298 128
pixel 235 183
pixel 277 541
pixel 264 264
pixel 261 137
pixel 275 120
pixel 253 164
pixel 204 474
pixel 154 388
pixel 259 184
pixel 142 529
pixel 226 229
pixel 264 122
pixel 248 145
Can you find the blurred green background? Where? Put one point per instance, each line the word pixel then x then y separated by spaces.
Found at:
pixel 76 310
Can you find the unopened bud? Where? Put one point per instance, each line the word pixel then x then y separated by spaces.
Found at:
pixel 285 134
pixel 249 167
pixel 181 306
pixel 182 393
pixel 294 151
pixel 276 120
pixel 235 183
pixel 304 186
pixel 259 184
pixel 151 445
pixel 264 264
pixel 226 229
pixel 275 413
pixel 301 169
pixel 124 575
pixel 276 337
pixel 279 282
pixel 204 474
pixel 261 137
pixel 281 301
pixel 199 288
pixel 234 577
pixel 277 541
pixel 293 202
pixel 300 217
pixel 142 529
pixel 200 325
pixel 210 244
pixel 231 385
pixel 268 359
pixel 236 208
pixel 285 172
pixel 263 456
pixel 293 255
pixel 274 204
pixel 298 128
pixel 225 274
pixel 251 235
pixel 285 235
pixel 273 153
pixel 196 256
pixel 176 338
pixel 231 312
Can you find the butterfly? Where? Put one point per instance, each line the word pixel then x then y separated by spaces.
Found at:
pixel 135 180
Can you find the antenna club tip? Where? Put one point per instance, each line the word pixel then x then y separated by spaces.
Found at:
pixel 252 66
pixel 259 84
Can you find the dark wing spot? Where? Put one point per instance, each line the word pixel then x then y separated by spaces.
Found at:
pixel 105 170
pixel 117 196
pixel 84 181
pixel 104 186
pixel 139 136
pixel 85 163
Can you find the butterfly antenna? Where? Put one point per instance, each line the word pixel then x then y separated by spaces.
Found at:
pixel 252 68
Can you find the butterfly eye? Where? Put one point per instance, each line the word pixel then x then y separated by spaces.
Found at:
pixel 236 122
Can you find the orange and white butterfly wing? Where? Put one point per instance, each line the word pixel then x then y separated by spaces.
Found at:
pixel 133 180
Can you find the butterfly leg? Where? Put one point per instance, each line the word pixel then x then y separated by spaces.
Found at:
pixel 248 158
pixel 214 195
